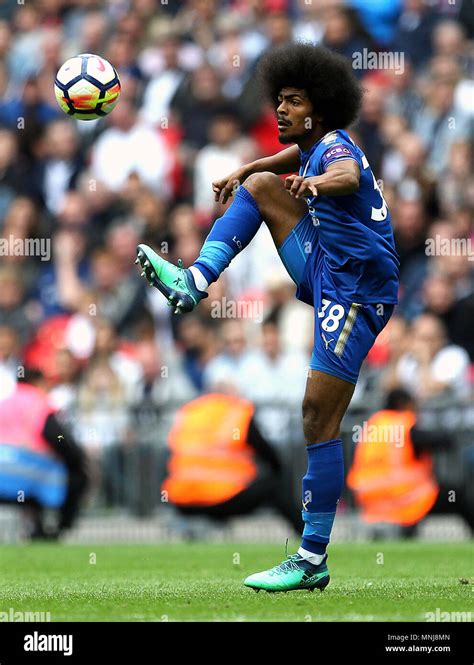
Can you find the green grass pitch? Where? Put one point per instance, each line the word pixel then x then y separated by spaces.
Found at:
pixel 398 581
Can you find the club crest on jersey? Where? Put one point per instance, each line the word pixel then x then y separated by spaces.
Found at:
pixel 329 138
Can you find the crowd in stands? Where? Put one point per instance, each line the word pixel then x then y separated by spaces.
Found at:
pixel 191 111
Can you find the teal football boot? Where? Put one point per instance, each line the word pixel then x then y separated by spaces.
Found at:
pixel 175 282
pixel 292 574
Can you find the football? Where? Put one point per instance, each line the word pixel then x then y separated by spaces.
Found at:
pixel 87 87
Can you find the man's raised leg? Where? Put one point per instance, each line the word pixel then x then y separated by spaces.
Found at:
pixel 261 197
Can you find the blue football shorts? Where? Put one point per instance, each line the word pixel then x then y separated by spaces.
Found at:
pixel 344 331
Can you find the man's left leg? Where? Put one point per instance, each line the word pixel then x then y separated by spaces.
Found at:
pixel 344 333
pixel 326 400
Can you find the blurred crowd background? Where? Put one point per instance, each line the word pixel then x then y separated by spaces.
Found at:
pixel 191 110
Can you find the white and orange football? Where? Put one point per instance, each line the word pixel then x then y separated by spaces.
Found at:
pixel 87 87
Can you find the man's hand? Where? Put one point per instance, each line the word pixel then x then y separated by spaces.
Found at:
pixel 299 186
pixel 225 187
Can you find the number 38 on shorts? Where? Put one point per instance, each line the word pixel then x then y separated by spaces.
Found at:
pixel 344 334
pixel 332 314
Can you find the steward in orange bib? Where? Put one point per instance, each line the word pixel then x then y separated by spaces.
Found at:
pixel 220 465
pixel 392 481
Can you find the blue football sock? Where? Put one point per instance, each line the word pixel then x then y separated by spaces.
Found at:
pixel 229 235
pixel 322 487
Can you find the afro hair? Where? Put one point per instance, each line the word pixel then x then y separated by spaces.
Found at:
pixel 326 77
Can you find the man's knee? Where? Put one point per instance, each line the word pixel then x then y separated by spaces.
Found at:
pixel 311 419
pixel 318 424
pixel 261 184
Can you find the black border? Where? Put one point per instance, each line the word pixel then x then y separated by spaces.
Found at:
pixel 235 643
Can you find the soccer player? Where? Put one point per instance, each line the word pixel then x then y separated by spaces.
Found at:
pixel 332 229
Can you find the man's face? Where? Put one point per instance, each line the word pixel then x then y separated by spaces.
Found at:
pixel 295 115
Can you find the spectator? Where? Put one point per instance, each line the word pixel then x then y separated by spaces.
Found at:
pixel 396 341
pixel 162 87
pixel 121 359
pixel 250 471
pixel 414 30
pixel 94 190
pixel 226 151
pixel 410 233
pixel 197 101
pixel 369 125
pixel 432 366
pixel 52 286
pixel 9 351
pixel 30 108
pixel 57 173
pixel 280 372
pixel 231 56
pixel 406 459
pixel 223 372
pixel 162 380
pixel 25 52
pixel 12 310
pixel 453 188
pixel 441 123
pixel 63 394
pixel 129 147
pixel 102 416
pixel 40 458
pixel 344 34
pixel 281 376
pixel 405 167
pixel 403 99
pixel 449 41
pixel 9 171
pixel 391 479
pixel 199 346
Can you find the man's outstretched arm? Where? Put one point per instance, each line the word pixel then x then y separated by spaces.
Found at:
pixel 286 161
pixel 340 178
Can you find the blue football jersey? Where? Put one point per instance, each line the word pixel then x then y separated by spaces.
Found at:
pixel 355 239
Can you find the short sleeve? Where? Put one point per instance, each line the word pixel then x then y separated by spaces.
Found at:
pixel 338 152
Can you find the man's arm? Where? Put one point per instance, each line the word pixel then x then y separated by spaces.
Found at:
pixel 282 162
pixel 286 161
pixel 74 458
pixel 341 177
pixel 430 441
pixel 263 449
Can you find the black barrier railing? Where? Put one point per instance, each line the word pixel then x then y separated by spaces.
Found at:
pixel 132 470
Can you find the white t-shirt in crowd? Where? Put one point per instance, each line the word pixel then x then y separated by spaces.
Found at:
pixel 450 366
pixel 118 154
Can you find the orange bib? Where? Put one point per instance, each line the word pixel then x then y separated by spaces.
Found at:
pixel 389 482
pixel 210 459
